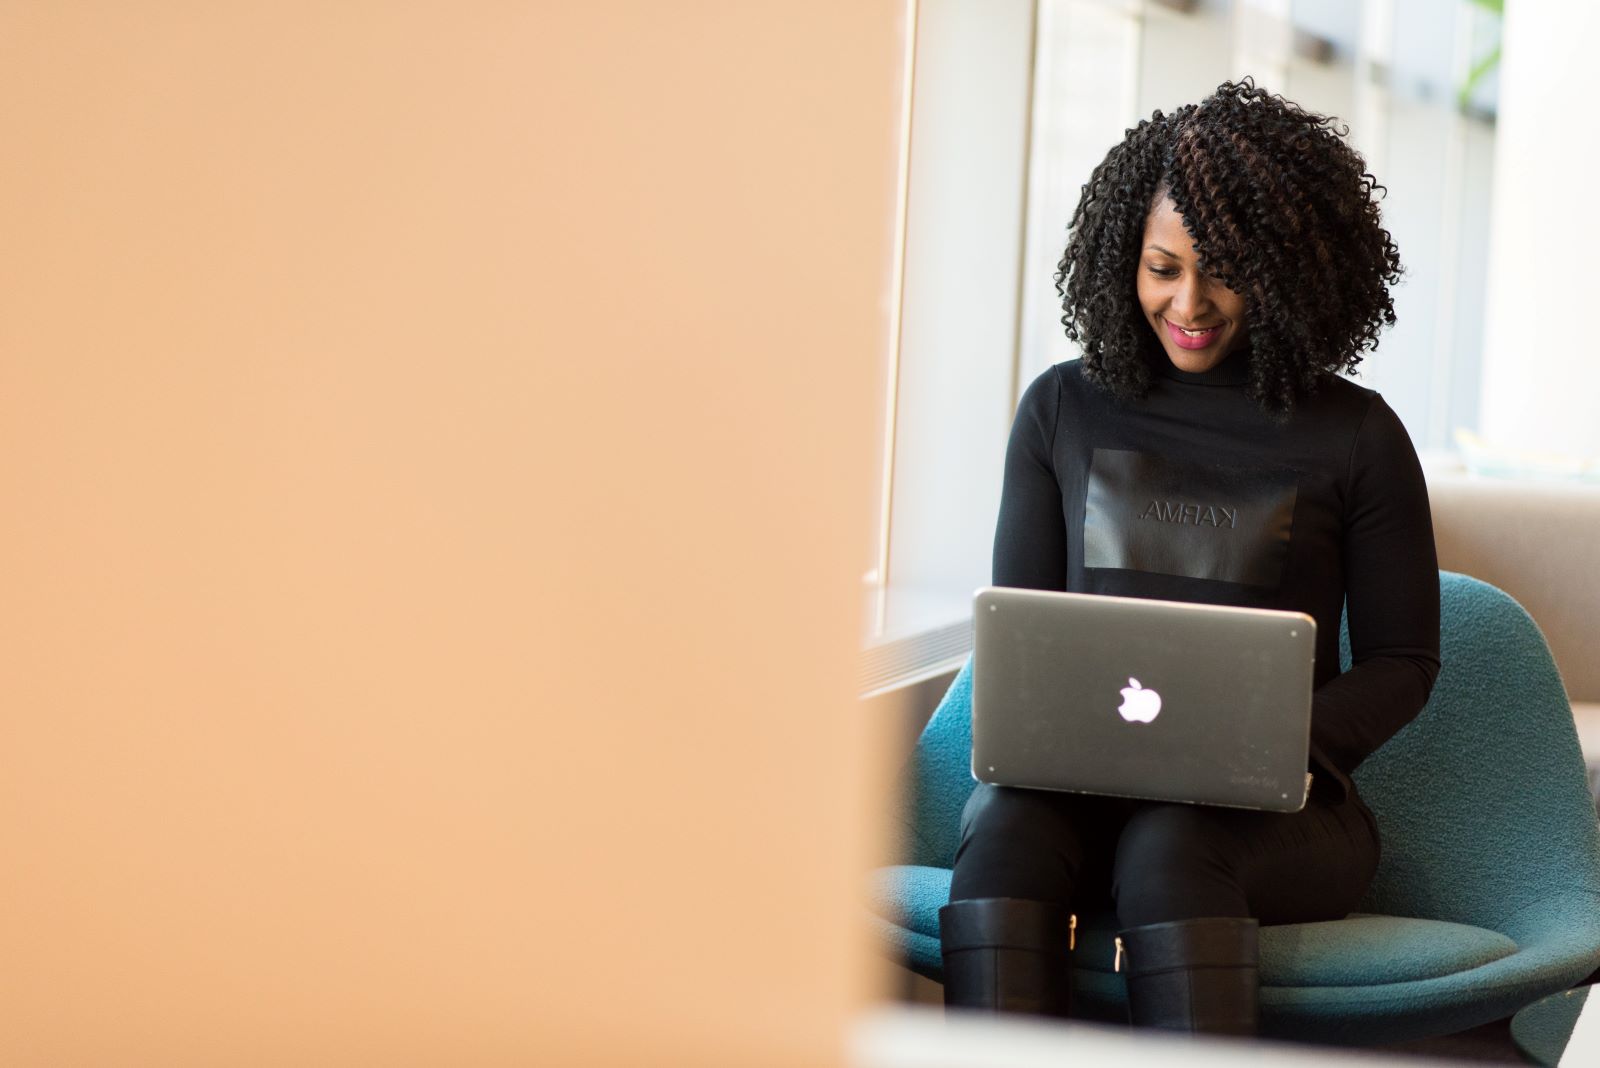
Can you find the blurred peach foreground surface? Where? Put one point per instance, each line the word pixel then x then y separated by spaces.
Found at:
pixel 437 458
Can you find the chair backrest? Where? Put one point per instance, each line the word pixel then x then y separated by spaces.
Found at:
pixel 1482 799
pixel 939 778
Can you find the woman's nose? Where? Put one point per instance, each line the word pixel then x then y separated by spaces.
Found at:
pixel 1189 301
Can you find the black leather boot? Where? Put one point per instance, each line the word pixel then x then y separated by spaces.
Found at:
pixel 1008 954
pixel 1200 976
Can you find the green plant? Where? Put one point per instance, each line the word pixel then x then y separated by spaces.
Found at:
pixel 1485 64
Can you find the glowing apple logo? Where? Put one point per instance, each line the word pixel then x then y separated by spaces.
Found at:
pixel 1139 705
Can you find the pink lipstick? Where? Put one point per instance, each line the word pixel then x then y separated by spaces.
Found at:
pixel 1186 340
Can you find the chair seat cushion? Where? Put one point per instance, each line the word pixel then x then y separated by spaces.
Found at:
pixel 1361 950
pixel 909 896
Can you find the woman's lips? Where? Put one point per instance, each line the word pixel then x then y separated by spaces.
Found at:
pixel 1191 341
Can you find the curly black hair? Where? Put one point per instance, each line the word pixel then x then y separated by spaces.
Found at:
pixel 1282 211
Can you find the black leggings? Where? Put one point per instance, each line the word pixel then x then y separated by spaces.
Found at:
pixel 1156 862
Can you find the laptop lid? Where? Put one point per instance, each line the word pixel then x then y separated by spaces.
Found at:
pixel 1131 697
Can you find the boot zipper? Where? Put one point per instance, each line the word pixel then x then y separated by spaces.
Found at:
pixel 1072 931
pixel 1116 964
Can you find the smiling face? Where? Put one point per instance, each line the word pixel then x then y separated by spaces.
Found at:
pixel 1198 320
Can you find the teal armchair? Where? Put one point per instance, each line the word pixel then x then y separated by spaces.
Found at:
pixel 1488 894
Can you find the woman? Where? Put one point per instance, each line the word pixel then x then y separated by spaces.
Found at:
pixel 1224 263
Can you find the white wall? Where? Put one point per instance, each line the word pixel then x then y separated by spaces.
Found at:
pixel 1541 365
pixel 963 256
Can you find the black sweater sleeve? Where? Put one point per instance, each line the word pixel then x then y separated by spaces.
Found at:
pixel 1391 596
pixel 1030 541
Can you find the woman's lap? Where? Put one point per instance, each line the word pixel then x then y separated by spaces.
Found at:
pixel 1157 861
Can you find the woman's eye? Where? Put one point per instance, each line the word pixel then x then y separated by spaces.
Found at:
pixel 1161 272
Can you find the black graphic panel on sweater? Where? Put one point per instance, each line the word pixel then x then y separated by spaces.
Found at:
pixel 1149 512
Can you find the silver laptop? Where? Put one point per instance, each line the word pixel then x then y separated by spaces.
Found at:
pixel 1162 700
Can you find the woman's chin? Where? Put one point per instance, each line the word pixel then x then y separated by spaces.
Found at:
pixel 1194 361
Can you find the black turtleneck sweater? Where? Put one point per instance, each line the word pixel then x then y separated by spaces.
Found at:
pixel 1192 494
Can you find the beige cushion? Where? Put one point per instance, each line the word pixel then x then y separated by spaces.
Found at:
pixel 1538 541
pixel 1586 714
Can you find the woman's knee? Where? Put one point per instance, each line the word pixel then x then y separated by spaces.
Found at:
pixel 1172 864
pixel 1016 843
pixel 1012 812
